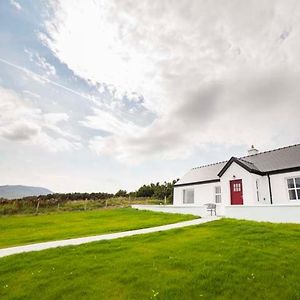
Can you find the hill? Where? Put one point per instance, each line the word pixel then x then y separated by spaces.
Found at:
pixel 20 191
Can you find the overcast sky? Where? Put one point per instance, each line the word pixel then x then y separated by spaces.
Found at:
pixel 103 95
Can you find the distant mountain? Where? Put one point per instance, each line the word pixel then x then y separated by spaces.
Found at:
pixel 20 191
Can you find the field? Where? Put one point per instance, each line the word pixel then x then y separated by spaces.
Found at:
pixel 28 229
pixel 225 259
pixel 27 206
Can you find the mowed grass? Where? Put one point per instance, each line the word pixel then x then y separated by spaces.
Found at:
pixel 225 259
pixel 26 229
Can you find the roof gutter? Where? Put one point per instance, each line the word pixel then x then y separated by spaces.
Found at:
pixel 197 182
pixel 270 188
pixel 286 170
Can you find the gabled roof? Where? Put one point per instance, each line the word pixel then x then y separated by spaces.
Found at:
pixel 275 161
pixel 204 174
pixel 249 166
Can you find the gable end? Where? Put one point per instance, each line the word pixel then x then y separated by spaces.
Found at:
pixel 241 164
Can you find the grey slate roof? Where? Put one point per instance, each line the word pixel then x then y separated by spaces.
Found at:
pixel 249 164
pixel 278 159
pixel 264 162
pixel 205 173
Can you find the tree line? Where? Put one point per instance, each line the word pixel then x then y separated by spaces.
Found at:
pixel 153 190
pixel 65 197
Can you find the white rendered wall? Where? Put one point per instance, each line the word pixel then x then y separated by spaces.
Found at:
pixel 177 196
pixel 248 181
pixel 264 192
pixel 279 188
pixel 203 193
pixel 268 213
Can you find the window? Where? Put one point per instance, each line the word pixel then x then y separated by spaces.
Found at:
pixel 257 190
pixel 293 185
pixel 188 196
pixel 218 198
pixel 237 187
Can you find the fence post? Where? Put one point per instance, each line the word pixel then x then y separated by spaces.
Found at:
pixel 85 203
pixel 106 203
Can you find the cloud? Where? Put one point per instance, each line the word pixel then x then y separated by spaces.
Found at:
pixel 41 62
pixel 20 121
pixel 211 73
pixel 104 55
pixel 105 121
pixel 16 4
pixel 50 69
pixel 20 131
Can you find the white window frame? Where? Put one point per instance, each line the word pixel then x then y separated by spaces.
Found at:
pixel 295 188
pixel 218 193
pixel 184 195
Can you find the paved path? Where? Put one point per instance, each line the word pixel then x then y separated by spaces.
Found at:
pixel 110 236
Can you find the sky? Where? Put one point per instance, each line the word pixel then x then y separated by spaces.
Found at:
pixel 107 95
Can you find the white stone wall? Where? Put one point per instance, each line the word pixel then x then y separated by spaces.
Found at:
pixel 281 213
pixel 192 210
pixel 269 213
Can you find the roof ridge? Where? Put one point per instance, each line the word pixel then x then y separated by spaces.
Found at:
pixel 208 165
pixel 246 156
pixel 277 149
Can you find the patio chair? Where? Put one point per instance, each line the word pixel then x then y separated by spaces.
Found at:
pixel 212 208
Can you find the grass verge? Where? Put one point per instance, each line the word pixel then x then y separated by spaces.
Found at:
pixel 225 259
pixel 28 229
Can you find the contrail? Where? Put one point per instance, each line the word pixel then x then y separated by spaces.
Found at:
pixel 44 78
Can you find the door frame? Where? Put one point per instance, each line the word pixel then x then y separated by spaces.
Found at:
pixel 231 183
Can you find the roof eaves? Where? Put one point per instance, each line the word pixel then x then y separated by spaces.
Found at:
pixel 242 164
pixel 285 170
pixel 197 182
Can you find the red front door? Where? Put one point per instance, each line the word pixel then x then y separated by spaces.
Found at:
pixel 236 191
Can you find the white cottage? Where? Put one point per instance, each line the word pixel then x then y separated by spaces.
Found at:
pixel 256 181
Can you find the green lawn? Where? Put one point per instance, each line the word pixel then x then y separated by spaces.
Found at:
pixel 225 259
pixel 26 229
